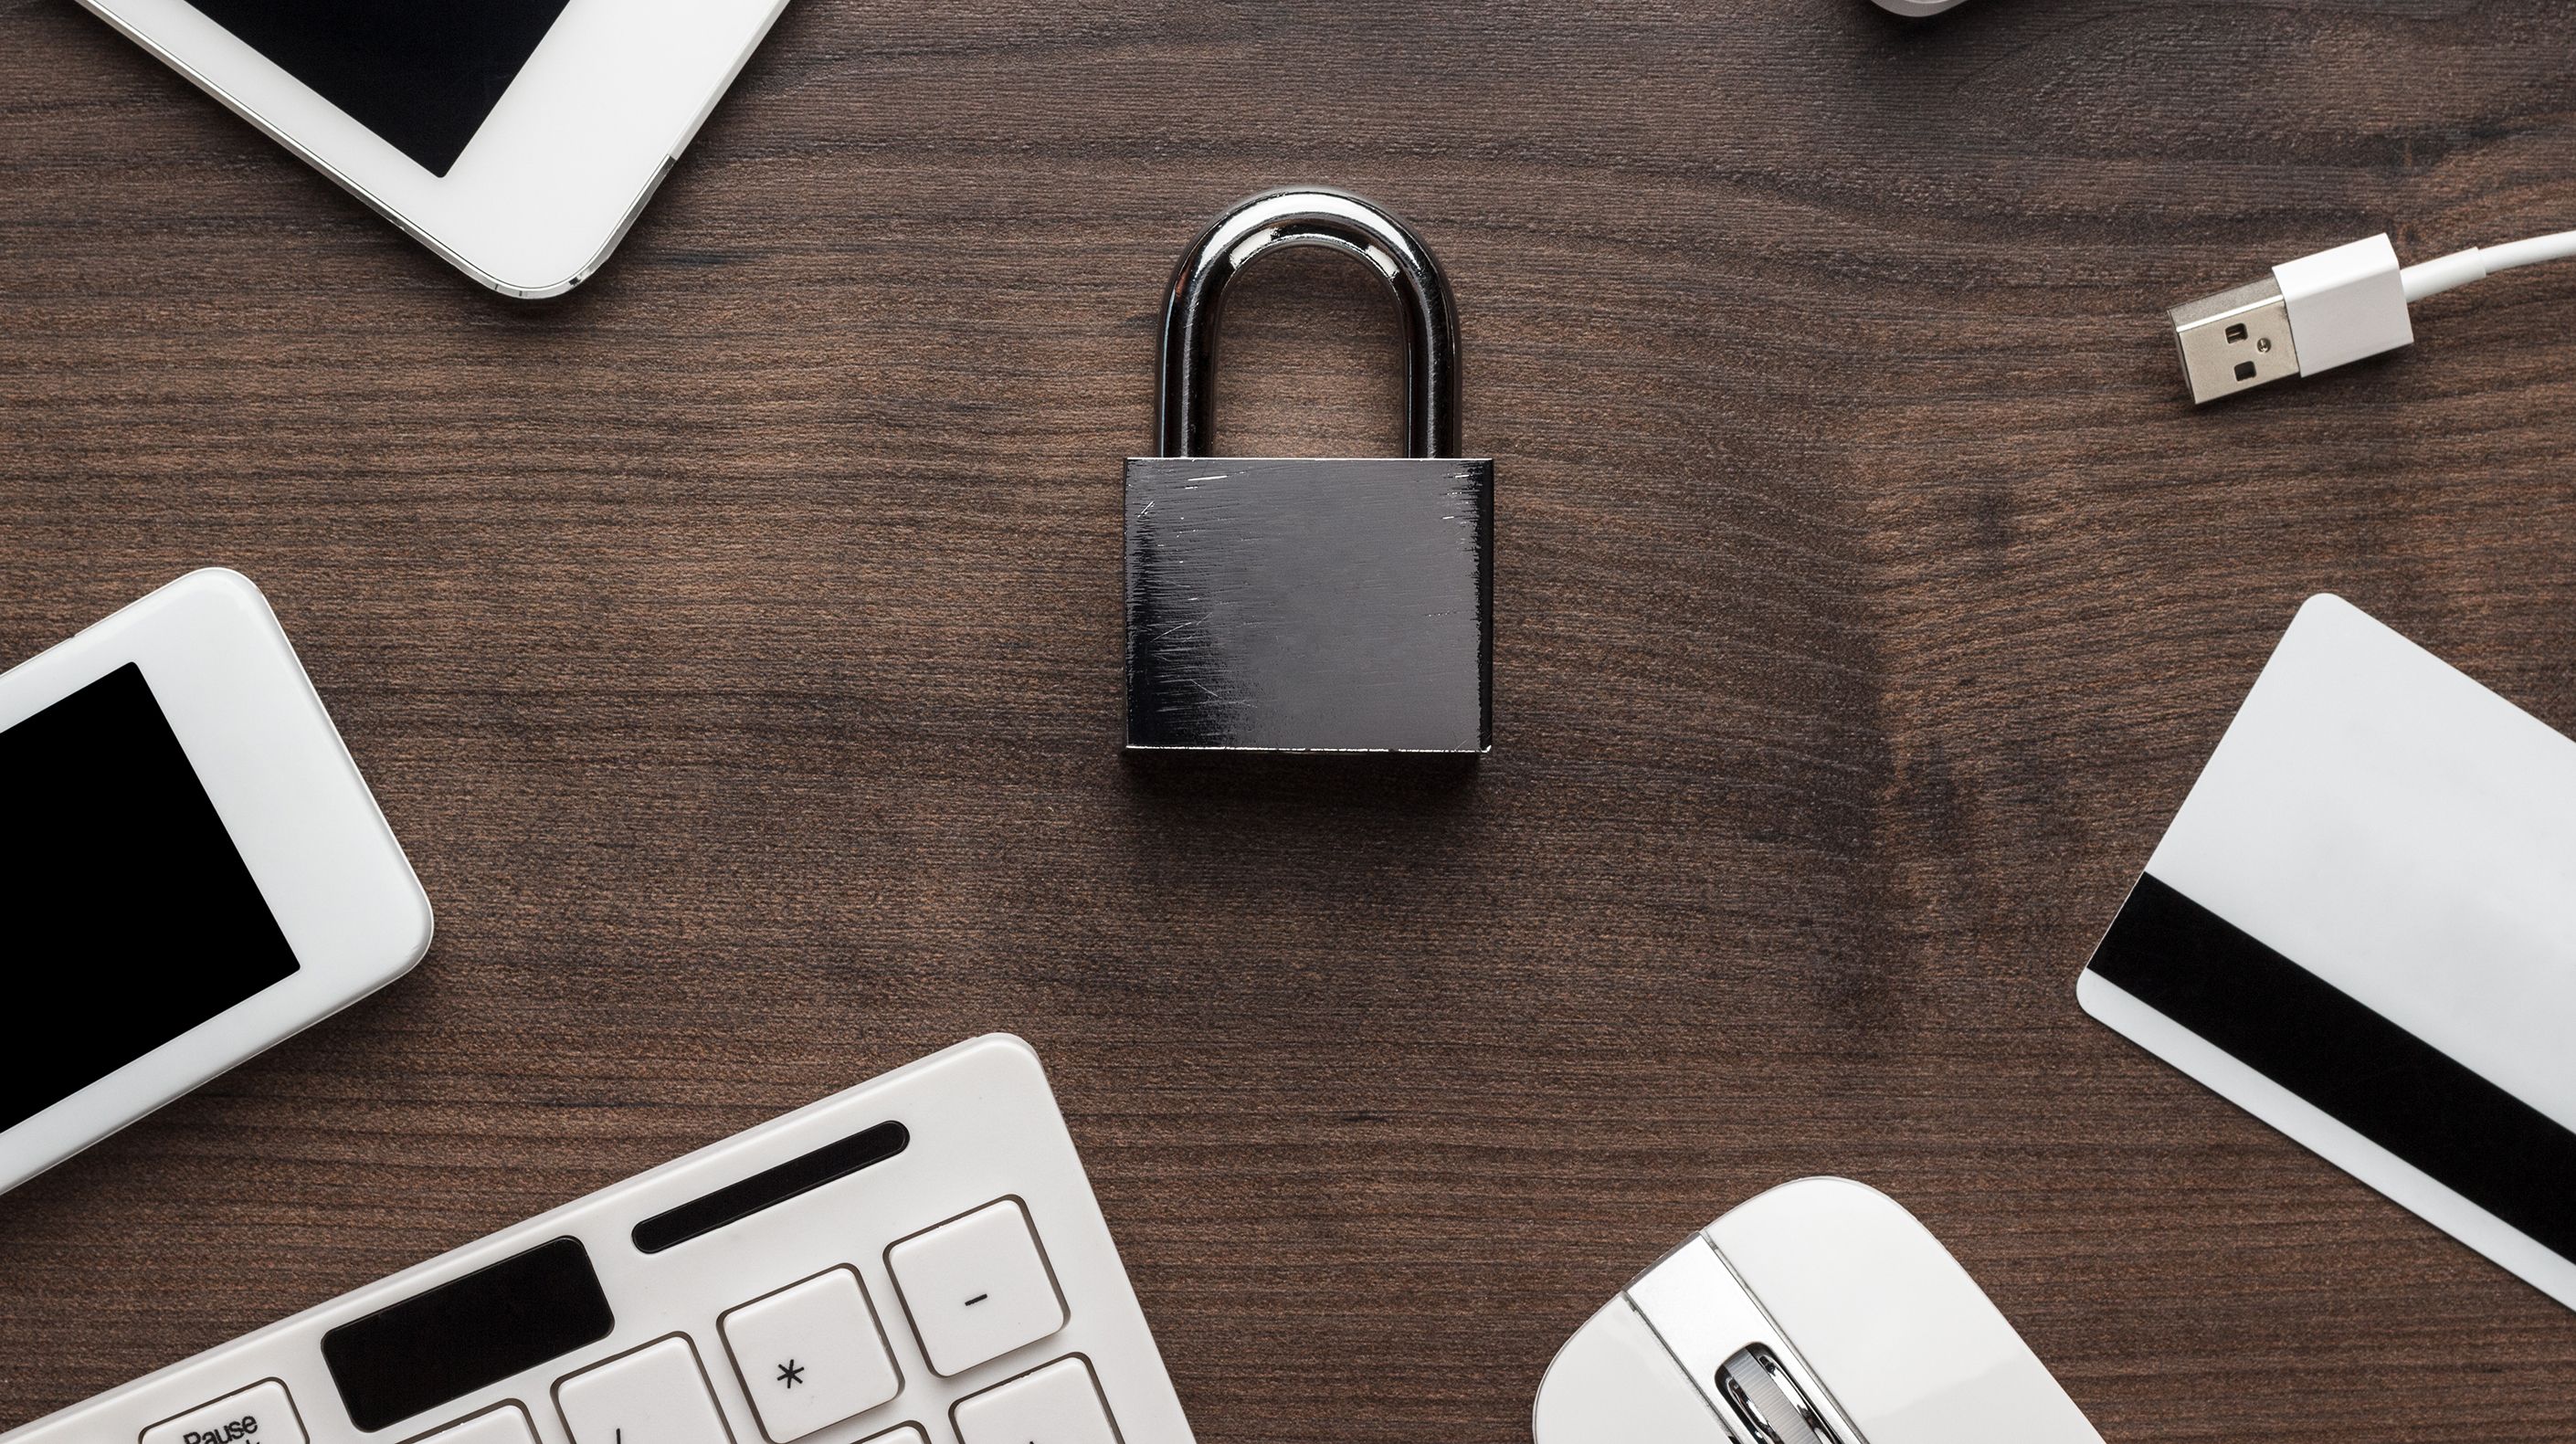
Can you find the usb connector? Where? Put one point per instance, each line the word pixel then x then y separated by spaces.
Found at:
pixel 2322 311
pixel 2236 339
pixel 2312 314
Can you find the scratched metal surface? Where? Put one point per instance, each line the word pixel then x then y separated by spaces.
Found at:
pixel 1309 605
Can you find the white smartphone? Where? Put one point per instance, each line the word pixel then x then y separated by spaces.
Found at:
pixel 185 825
pixel 517 138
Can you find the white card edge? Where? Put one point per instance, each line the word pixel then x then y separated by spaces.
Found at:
pixel 2328 1137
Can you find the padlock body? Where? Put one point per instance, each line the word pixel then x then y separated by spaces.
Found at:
pixel 1310 606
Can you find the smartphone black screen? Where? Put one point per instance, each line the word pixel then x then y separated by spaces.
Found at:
pixel 110 848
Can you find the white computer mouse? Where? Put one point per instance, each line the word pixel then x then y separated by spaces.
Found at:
pixel 1818 1313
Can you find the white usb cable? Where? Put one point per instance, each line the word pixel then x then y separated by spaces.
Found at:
pixel 2318 312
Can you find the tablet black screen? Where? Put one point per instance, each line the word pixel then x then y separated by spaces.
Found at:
pixel 423 76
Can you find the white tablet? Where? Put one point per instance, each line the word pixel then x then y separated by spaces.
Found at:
pixel 186 833
pixel 517 138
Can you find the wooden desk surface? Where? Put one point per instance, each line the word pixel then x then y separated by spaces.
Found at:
pixel 734 644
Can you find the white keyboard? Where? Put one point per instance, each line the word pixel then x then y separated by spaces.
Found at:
pixel 918 1260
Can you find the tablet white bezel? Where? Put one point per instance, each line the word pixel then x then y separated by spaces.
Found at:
pixel 556 174
pixel 295 807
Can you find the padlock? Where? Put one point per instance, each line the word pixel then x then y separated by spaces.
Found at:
pixel 1310 605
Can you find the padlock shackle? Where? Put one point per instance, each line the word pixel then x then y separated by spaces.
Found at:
pixel 1185 404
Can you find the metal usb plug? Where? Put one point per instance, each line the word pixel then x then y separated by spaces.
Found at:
pixel 2323 311
pixel 2235 340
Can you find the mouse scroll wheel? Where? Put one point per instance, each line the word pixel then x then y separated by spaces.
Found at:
pixel 1769 1402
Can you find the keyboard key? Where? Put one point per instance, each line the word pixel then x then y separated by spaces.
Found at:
pixel 811 1355
pixel 505 1425
pixel 977 1287
pixel 1059 1404
pixel 655 1395
pixel 260 1414
pixel 900 1434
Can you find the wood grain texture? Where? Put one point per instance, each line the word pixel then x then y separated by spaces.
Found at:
pixel 734 644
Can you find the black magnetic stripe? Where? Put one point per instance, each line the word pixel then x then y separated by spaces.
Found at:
pixel 2324 1045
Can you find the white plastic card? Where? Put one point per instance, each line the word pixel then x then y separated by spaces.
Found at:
pixel 2361 928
